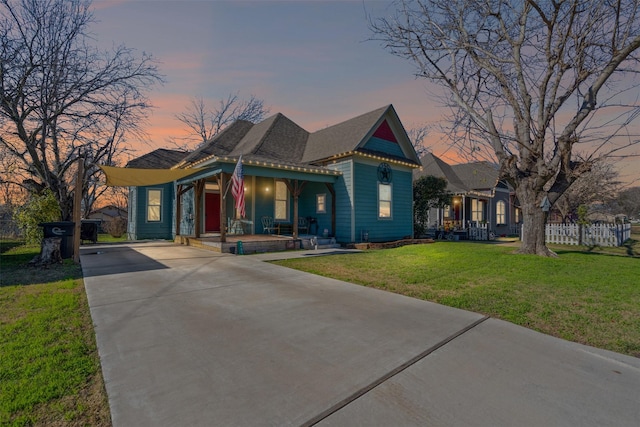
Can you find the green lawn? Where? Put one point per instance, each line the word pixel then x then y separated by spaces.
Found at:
pixel 49 365
pixel 580 296
pixel 107 238
pixel 50 369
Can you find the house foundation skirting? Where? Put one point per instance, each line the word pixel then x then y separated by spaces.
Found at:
pixel 255 243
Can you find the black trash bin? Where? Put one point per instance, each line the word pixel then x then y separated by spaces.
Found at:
pixel 89 230
pixel 64 230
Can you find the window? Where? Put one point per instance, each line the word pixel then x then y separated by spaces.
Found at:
pixel 384 200
pixel 501 213
pixel 154 205
pixel 281 202
pixel 477 210
pixel 517 215
pixel 321 203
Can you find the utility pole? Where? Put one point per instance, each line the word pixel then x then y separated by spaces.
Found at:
pixel 77 211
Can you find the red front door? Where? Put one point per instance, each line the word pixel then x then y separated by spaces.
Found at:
pixel 211 212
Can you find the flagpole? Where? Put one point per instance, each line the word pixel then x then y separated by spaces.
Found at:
pixel 224 196
pixel 237 182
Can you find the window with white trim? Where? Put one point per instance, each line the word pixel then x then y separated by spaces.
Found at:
pixel 477 210
pixel 281 202
pixel 384 200
pixel 321 203
pixel 501 213
pixel 154 205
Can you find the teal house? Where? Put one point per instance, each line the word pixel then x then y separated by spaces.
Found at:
pixel 350 182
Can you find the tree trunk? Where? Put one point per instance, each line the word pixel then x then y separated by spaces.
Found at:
pixel 533 224
pixel 49 252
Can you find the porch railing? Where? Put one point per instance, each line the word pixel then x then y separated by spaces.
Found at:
pixel 479 231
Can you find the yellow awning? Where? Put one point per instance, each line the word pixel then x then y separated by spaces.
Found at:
pixel 125 177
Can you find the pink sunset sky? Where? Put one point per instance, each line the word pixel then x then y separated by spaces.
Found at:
pixel 313 61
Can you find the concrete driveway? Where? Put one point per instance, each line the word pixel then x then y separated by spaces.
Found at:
pixel 189 337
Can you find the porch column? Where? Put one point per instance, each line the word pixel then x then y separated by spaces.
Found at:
pixel 178 208
pixel 199 186
pixel 179 193
pixel 333 206
pixel 223 206
pixel 464 212
pixel 296 189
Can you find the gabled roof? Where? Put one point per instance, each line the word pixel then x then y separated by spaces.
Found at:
pixel 341 138
pixel 221 144
pixel 275 139
pixel 463 177
pixel 351 135
pixel 161 158
pixel 279 140
pixel 477 175
pixel 434 166
pixel 109 210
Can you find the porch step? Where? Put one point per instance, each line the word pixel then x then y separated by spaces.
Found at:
pixel 319 243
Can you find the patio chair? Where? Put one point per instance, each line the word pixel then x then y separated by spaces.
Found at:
pixel 268 225
pixel 303 225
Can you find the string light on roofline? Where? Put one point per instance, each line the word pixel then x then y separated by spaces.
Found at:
pixel 226 159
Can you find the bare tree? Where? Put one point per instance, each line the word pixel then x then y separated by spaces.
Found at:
pixel 60 97
pixel 628 202
pixel 596 187
pixel 417 136
pixel 524 80
pixel 205 123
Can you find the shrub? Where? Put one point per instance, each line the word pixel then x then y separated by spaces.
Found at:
pixel 115 227
pixel 39 208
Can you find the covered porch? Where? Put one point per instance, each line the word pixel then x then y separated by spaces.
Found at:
pixel 285 206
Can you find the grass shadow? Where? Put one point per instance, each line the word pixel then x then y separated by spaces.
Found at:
pixel 630 245
pixel 16 269
pixel 7 245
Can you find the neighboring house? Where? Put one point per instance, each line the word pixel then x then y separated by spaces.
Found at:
pixel 107 213
pixel 353 179
pixel 479 197
pixel 142 221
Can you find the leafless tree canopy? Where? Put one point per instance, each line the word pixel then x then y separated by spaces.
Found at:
pixel 549 87
pixel 60 96
pixel 204 123
pixel 598 187
pixel 417 135
pixel 628 203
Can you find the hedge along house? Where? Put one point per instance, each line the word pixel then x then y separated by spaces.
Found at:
pixel 351 181
pixel 480 199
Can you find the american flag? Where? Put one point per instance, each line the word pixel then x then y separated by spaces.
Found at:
pixel 237 187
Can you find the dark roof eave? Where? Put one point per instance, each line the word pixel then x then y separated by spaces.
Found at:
pixel 381 155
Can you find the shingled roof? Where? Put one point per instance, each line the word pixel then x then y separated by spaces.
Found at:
pixel 434 166
pixel 461 177
pixel 221 144
pixel 278 139
pixel 477 175
pixel 161 158
pixel 343 137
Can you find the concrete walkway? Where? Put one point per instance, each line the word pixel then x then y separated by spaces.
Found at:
pixel 189 337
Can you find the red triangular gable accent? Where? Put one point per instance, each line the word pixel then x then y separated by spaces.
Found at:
pixel 384 132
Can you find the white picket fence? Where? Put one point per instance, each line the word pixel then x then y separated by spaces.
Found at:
pixel 478 231
pixel 592 235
